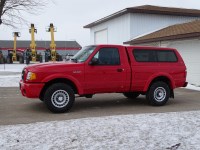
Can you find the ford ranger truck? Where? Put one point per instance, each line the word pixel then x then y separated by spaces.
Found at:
pixel 130 70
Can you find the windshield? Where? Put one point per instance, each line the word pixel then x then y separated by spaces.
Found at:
pixel 83 54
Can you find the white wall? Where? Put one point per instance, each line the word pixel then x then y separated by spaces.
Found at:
pixel 118 30
pixel 129 26
pixel 142 24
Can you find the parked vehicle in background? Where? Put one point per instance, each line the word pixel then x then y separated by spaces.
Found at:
pixel 131 70
pixel 6 56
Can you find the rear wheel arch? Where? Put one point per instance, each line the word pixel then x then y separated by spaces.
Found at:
pixel 158 93
pixel 165 79
pixel 58 80
pixel 162 79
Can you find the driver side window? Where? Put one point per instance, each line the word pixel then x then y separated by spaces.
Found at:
pixel 108 56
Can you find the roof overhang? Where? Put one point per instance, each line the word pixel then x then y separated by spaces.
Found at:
pixel 167 38
pixel 148 9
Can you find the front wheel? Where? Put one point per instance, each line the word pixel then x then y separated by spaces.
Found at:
pixel 158 94
pixel 59 98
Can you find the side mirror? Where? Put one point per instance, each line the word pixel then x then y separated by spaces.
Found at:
pixel 94 61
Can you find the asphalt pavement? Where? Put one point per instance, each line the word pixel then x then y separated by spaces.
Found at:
pixel 16 109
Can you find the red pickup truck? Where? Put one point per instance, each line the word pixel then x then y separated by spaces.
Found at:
pixel 131 70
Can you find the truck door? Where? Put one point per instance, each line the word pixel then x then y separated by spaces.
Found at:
pixel 105 72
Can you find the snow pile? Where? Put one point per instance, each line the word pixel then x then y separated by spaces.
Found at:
pixel 10 80
pixel 193 87
pixel 12 67
pixel 144 131
pixel 10 74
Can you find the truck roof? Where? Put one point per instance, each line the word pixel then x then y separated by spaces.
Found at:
pixel 135 46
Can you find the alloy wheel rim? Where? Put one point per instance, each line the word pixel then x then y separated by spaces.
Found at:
pixel 159 94
pixel 60 98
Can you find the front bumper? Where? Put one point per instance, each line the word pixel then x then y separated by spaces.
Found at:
pixel 31 90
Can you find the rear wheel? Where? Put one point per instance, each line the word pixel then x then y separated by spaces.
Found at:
pixel 158 94
pixel 131 95
pixel 59 98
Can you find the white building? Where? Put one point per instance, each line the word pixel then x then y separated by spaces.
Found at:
pixel 132 22
pixel 154 26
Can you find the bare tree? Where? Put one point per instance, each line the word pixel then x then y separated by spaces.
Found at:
pixel 11 10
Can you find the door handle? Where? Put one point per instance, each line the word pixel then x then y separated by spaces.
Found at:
pixel 120 70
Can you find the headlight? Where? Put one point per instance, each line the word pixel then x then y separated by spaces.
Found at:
pixel 31 76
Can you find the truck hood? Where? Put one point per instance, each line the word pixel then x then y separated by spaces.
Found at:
pixel 53 66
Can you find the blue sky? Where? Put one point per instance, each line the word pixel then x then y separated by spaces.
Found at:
pixel 69 16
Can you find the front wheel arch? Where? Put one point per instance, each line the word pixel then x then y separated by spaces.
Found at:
pixel 59 97
pixel 58 80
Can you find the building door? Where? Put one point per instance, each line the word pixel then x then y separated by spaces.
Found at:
pixel 189 50
pixel 101 37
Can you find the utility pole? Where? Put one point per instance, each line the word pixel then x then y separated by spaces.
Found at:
pixel 32 31
pixel 52 29
pixel 14 55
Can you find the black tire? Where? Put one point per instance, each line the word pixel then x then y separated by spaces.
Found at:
pixel 59 98
pixel 158 94
pixel 21 59
pixel 131 95
pixel 41 98
pixel 1 60
pixel 9 60
pixel 27 60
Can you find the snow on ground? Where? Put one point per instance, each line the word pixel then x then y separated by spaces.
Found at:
pixel 139 132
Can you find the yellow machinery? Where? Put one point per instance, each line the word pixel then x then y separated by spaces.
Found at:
pixel 52 29
pixel 32 31
pixel 14 54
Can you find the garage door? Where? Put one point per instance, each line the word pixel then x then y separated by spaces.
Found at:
pixel 101 37
pixel 189 49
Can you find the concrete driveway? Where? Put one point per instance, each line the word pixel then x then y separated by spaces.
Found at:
pixel 15 109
